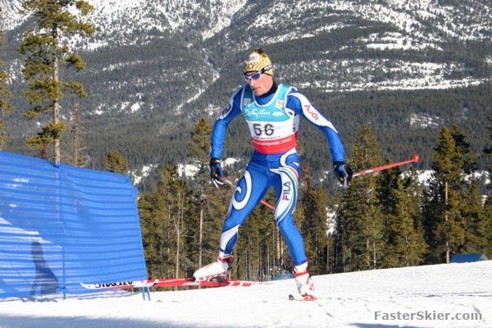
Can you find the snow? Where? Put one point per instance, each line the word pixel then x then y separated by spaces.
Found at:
pixel 138 176
pixel 187 170
pixel 446 295
pixel 229 8
pixel 425 121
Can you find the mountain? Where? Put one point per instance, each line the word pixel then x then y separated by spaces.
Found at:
pixel 445 295
pixel 156 66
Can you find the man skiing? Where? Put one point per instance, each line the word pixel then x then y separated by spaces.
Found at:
pixel 272 112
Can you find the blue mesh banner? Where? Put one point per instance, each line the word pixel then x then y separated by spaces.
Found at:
pixel 62 225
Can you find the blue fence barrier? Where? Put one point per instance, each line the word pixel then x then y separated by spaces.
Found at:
pixel 61 226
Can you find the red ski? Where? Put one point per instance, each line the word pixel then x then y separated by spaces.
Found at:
pixel 167 282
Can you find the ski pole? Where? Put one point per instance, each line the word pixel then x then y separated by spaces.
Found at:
pixel 414 159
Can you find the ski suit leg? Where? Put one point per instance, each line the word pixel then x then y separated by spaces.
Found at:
pixel 250 189
pixel 286 189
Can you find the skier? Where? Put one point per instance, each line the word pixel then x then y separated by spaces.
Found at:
pixel 272 112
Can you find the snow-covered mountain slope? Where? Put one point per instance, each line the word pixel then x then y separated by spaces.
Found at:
pixel 337 31
pixel 131 21
pixel 118 21
pixel 428 20
pixel 447 295
pixel 10 15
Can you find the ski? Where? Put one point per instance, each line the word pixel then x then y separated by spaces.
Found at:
pixel 167 282
pixel 306 298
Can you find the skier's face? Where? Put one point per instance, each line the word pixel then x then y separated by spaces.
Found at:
pixel 259 82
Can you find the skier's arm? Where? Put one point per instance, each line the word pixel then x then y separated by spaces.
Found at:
pixel 302 106
pixel 220 127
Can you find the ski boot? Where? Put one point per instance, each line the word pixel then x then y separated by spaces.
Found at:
pixel 214 271
pixel 304 282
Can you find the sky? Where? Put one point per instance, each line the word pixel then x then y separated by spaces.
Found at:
pixel 445 295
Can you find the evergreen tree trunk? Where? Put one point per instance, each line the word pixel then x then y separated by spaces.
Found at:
pixel 200 238
pixel 446 219
pixel 56 103
pixel 5 97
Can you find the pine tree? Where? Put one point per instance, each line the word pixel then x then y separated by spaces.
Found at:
pixel 178 199
pixel 488 150
pixel 199 145
pixel 212 208
pixel 359 218
pixel 366 152
pixel 149 234
pixel 156 228
pixel 472 210
pixel 253 252
pixel 322 200
pixel 333 247
pixel 205 223
pixel 164 224
pixel 115 162
pixel 445 223
pixel 198 157
pixel 5 96
pixel 47 50
pixel 273 255
pixel 485 226
pixel 403 228
pixel 314 226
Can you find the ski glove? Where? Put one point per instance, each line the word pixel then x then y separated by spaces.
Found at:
pixel 216 172
pixel 343 172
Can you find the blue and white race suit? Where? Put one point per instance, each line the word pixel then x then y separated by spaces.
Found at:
pixel 273 121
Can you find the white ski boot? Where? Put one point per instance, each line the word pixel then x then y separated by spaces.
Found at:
pixel 217 269
pixel 304 282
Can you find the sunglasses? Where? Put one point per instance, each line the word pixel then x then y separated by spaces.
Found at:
pixel 257 75
pixel 254 77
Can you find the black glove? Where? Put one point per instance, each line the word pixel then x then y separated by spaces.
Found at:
pixel 343 172
pixel 216 172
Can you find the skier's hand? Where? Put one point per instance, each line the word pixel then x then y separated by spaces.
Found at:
pixel 343 172
pixel 216 172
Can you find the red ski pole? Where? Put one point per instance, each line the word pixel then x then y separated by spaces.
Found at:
pixel 414 159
